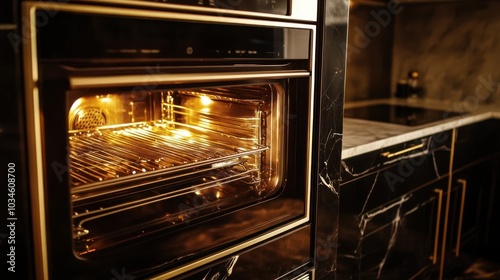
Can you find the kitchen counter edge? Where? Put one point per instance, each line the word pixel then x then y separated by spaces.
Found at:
pixel 362 136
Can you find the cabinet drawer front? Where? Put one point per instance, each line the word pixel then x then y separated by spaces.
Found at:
pixel 408 156
pixel 377 188
pixel 476 141
pixel 397 239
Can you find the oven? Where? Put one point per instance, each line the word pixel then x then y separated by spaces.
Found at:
pixel 164 142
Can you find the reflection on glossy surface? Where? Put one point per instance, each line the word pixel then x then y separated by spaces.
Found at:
pixel 398 114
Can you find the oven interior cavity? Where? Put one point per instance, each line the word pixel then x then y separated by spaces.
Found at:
pixel 143 162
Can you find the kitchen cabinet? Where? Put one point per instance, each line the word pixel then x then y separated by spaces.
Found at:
pixel 469 204
pixel 467 218
pixel 492 240
pixel 391 208
pixel 468 208
pixel 476 142
pixel 454 222
pixel 472 186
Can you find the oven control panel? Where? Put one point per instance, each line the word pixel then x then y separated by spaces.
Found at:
pixel 279 7
pixel 81 36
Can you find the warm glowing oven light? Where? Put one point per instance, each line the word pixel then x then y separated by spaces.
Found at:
pixel 205 100
pixel 104 98
pixel 181 133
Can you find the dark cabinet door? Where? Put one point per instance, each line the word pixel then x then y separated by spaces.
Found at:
pixel 472 197
pixel 397 240
pixel 469 206
pixel 492 231
pixel 476 142
pixel 469 216
pixel 390 206
pixel 477 149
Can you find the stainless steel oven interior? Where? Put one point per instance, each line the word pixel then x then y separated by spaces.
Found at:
pixel 196 152
pixel 147 138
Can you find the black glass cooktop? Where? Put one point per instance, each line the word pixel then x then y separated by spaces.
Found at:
pixel 398 114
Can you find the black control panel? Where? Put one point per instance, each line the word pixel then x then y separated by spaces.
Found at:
pixel 279 7
pixel 83 36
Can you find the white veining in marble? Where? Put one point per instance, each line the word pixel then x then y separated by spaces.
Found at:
pixel 396 223
pixel 362 136
pixel 367 217
pixel 370 193
pixel 436 170
pixel 328 183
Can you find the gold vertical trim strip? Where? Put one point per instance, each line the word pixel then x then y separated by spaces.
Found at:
pixel 434 256
pixel 447 204
pixel 310 128
pixel 462 206
pixel 35 157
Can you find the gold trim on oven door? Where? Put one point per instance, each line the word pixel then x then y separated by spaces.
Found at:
pixel 34 145
pixel 163 79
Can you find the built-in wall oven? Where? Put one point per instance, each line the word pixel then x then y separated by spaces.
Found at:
pixel 162 141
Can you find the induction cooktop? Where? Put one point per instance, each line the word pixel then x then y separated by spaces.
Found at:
pixel 398 114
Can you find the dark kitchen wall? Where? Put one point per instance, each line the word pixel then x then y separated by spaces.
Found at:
pixel 455 47
pixel 369 51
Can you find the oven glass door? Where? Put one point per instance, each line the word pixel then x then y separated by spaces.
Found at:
pixel 141 162
pixel 183 170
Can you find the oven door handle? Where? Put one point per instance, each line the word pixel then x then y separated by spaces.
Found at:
pixel 164 79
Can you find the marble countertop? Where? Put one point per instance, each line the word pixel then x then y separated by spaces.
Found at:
pixel 362 136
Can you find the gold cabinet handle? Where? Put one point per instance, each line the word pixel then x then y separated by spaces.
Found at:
pixel 412 148
pixel 461 215
pixel 438 223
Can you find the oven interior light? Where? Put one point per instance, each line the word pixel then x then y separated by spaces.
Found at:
pixel 103 98
pixel 205 100
pixel 206 111
pixel 179 133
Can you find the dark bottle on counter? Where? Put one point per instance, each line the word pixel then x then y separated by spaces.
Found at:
pixel 413 84
pixel 409 87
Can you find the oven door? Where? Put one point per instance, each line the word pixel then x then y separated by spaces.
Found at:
pixel 186 169
pixel 156 160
